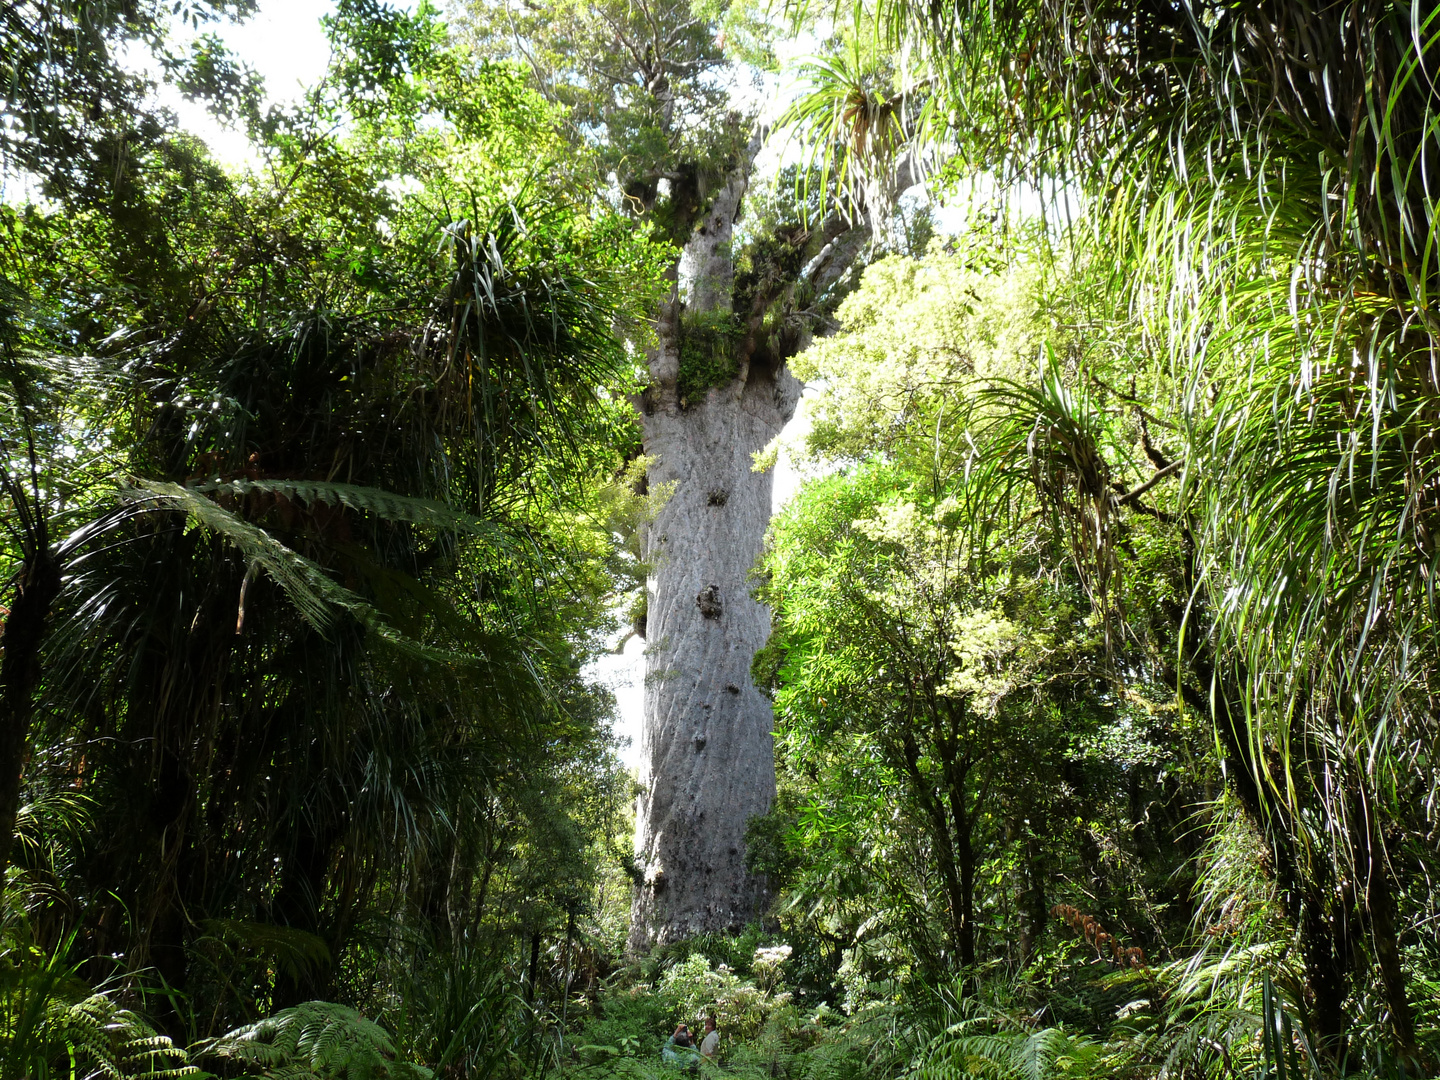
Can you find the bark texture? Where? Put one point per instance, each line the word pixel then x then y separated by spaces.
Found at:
pixel 707 752
pixel 707 755
pixel 20 639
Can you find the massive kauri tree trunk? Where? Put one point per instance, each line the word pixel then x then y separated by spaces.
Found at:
pixel 707 755
pixel 642 89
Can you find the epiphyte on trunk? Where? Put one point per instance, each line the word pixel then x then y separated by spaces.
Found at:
pixel 709 602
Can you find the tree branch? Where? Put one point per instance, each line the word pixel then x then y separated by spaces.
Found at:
pixel 1128 499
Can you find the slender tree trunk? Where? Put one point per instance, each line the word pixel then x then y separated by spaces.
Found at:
pixel 1384 932
pixel 1377 894
pixel 1306 893
pixel 945 849
pixel 19 677
pixel 957 774
pixel 534 977
pixel 299 904
pixel 965 856
pixel 166 916
pixel 1032 902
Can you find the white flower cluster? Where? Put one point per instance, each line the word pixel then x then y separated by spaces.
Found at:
pixel 773 955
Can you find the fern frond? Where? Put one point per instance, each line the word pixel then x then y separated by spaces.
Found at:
pixel 314 595
pixel 317 1038
pixel 383 504
pixel 959 1052
pixel 114 1042
pixel 292 951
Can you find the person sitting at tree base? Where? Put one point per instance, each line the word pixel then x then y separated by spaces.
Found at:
pixel 679 1050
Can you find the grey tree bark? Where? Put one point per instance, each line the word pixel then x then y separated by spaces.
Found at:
pixel 708 764
pixel 645 89
pixel 707 751
pixel 707 757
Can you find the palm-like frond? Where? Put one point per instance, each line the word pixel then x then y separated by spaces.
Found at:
pixel 314 1039
pixel 316 597
pixel 849 124
pixel 385 505
pixel 526 337
pixel 1051 438
pixel 1259 181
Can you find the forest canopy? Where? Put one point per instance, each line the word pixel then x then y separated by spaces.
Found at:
pixel 1098 639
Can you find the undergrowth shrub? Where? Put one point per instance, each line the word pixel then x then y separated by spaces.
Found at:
pixel 741 1007
pixel 763 1032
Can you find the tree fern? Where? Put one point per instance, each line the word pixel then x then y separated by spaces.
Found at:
pixel 51 1025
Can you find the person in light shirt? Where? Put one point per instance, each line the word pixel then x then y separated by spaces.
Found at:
pixel 711 1043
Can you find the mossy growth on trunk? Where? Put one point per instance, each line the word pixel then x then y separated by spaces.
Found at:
pixel 708 341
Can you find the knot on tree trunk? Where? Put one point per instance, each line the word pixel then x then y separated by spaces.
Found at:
pixel 709 602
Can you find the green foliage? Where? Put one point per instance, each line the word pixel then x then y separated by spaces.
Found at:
pixel 763 1031
pixel 327 476
pixel 916 336
pixel 1037 1055
pixel 314 1039
pixel 641 91
pixel 919 700
pixel 708 345
pixel 93 1033
pixel 741 1007
pixel 320 456
pixel 73 113
pixel 632 1020
pixel 53 1023
pixel 1247 256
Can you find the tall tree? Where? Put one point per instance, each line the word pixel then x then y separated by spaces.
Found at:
pixel 73 120
pixel 643 83
pixel 321 664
